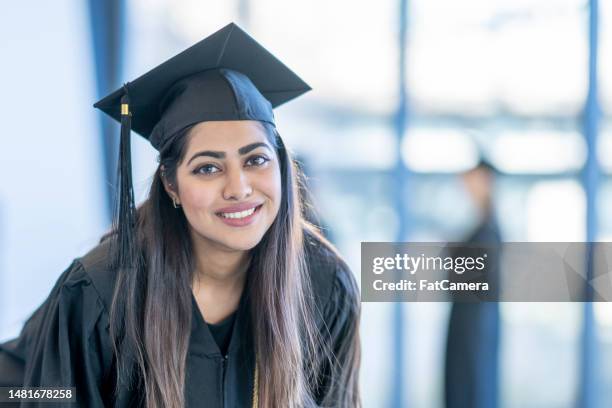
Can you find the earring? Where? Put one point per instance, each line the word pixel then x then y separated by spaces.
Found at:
pixel 174 203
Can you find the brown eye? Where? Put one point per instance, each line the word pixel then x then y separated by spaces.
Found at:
pixel 257 161
pixel 206 169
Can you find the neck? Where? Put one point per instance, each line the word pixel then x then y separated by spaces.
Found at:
pixel 222 269
pixel 220 272
pixel 219 278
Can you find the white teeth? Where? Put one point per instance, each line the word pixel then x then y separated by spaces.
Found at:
pixel 240 214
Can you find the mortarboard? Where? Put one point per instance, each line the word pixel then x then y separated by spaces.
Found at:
pixel 197 79
pixel 226 76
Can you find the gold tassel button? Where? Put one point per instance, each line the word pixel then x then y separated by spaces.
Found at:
pixel 125 109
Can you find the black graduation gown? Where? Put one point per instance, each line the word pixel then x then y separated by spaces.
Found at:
pixel 66 341
pixel 472 346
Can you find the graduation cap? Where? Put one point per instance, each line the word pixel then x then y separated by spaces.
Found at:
pixel 226 76
pixel 485 164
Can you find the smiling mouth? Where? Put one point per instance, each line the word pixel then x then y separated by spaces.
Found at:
pixel 240 214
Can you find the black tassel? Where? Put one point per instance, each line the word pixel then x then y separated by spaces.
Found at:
pixel 125 210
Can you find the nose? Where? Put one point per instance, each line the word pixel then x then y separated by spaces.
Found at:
pixel 237 186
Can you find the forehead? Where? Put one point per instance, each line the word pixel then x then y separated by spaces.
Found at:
pixel 225 135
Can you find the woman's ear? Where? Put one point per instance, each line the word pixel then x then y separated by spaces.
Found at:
pixel 169 186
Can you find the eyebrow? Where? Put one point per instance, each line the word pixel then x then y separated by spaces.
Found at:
pixel 221 155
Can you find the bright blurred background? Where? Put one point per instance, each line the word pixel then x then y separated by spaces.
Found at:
pixel 407 93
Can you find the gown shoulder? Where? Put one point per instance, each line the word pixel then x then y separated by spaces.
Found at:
pixel 66 342
pixel 333 282
pixel 337 311
pixel 96 264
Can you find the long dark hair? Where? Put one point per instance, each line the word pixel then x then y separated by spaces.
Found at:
pixel 152 308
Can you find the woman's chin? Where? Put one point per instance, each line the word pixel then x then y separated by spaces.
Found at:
pixel 236 242
pixel 245 245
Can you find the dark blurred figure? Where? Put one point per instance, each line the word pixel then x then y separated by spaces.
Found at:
pixel 472 358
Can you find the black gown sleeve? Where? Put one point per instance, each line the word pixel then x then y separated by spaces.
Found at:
pixel 339 385
pixel 66 343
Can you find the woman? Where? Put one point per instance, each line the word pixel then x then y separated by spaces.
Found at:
pixel 215 292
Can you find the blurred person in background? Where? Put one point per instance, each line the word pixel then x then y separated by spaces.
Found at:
pixel 472 348
pixel 216 291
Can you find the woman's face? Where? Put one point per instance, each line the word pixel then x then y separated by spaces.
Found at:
pixel 229 184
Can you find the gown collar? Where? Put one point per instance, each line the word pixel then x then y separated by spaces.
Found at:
pixel 202 341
